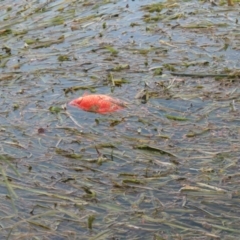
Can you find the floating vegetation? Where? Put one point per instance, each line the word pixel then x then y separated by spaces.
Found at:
pixel 176 118
pixel 5 32
pixel 165 166
pixel 55 109
pixel 57 20
pixel 63 58
pixel 112 50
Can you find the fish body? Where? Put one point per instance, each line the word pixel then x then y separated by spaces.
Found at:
pixel 98 103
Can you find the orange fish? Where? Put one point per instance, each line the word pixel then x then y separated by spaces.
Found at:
pixel 98 103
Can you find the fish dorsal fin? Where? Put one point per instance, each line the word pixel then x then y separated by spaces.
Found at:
pixel 85 94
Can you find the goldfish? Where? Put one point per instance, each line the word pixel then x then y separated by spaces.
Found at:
pixel 98 103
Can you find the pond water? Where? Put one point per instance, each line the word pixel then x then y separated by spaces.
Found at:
pixel 165 167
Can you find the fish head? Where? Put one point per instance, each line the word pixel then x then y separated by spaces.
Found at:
pixel 75 102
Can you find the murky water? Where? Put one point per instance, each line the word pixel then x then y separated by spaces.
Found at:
pixel 165 168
